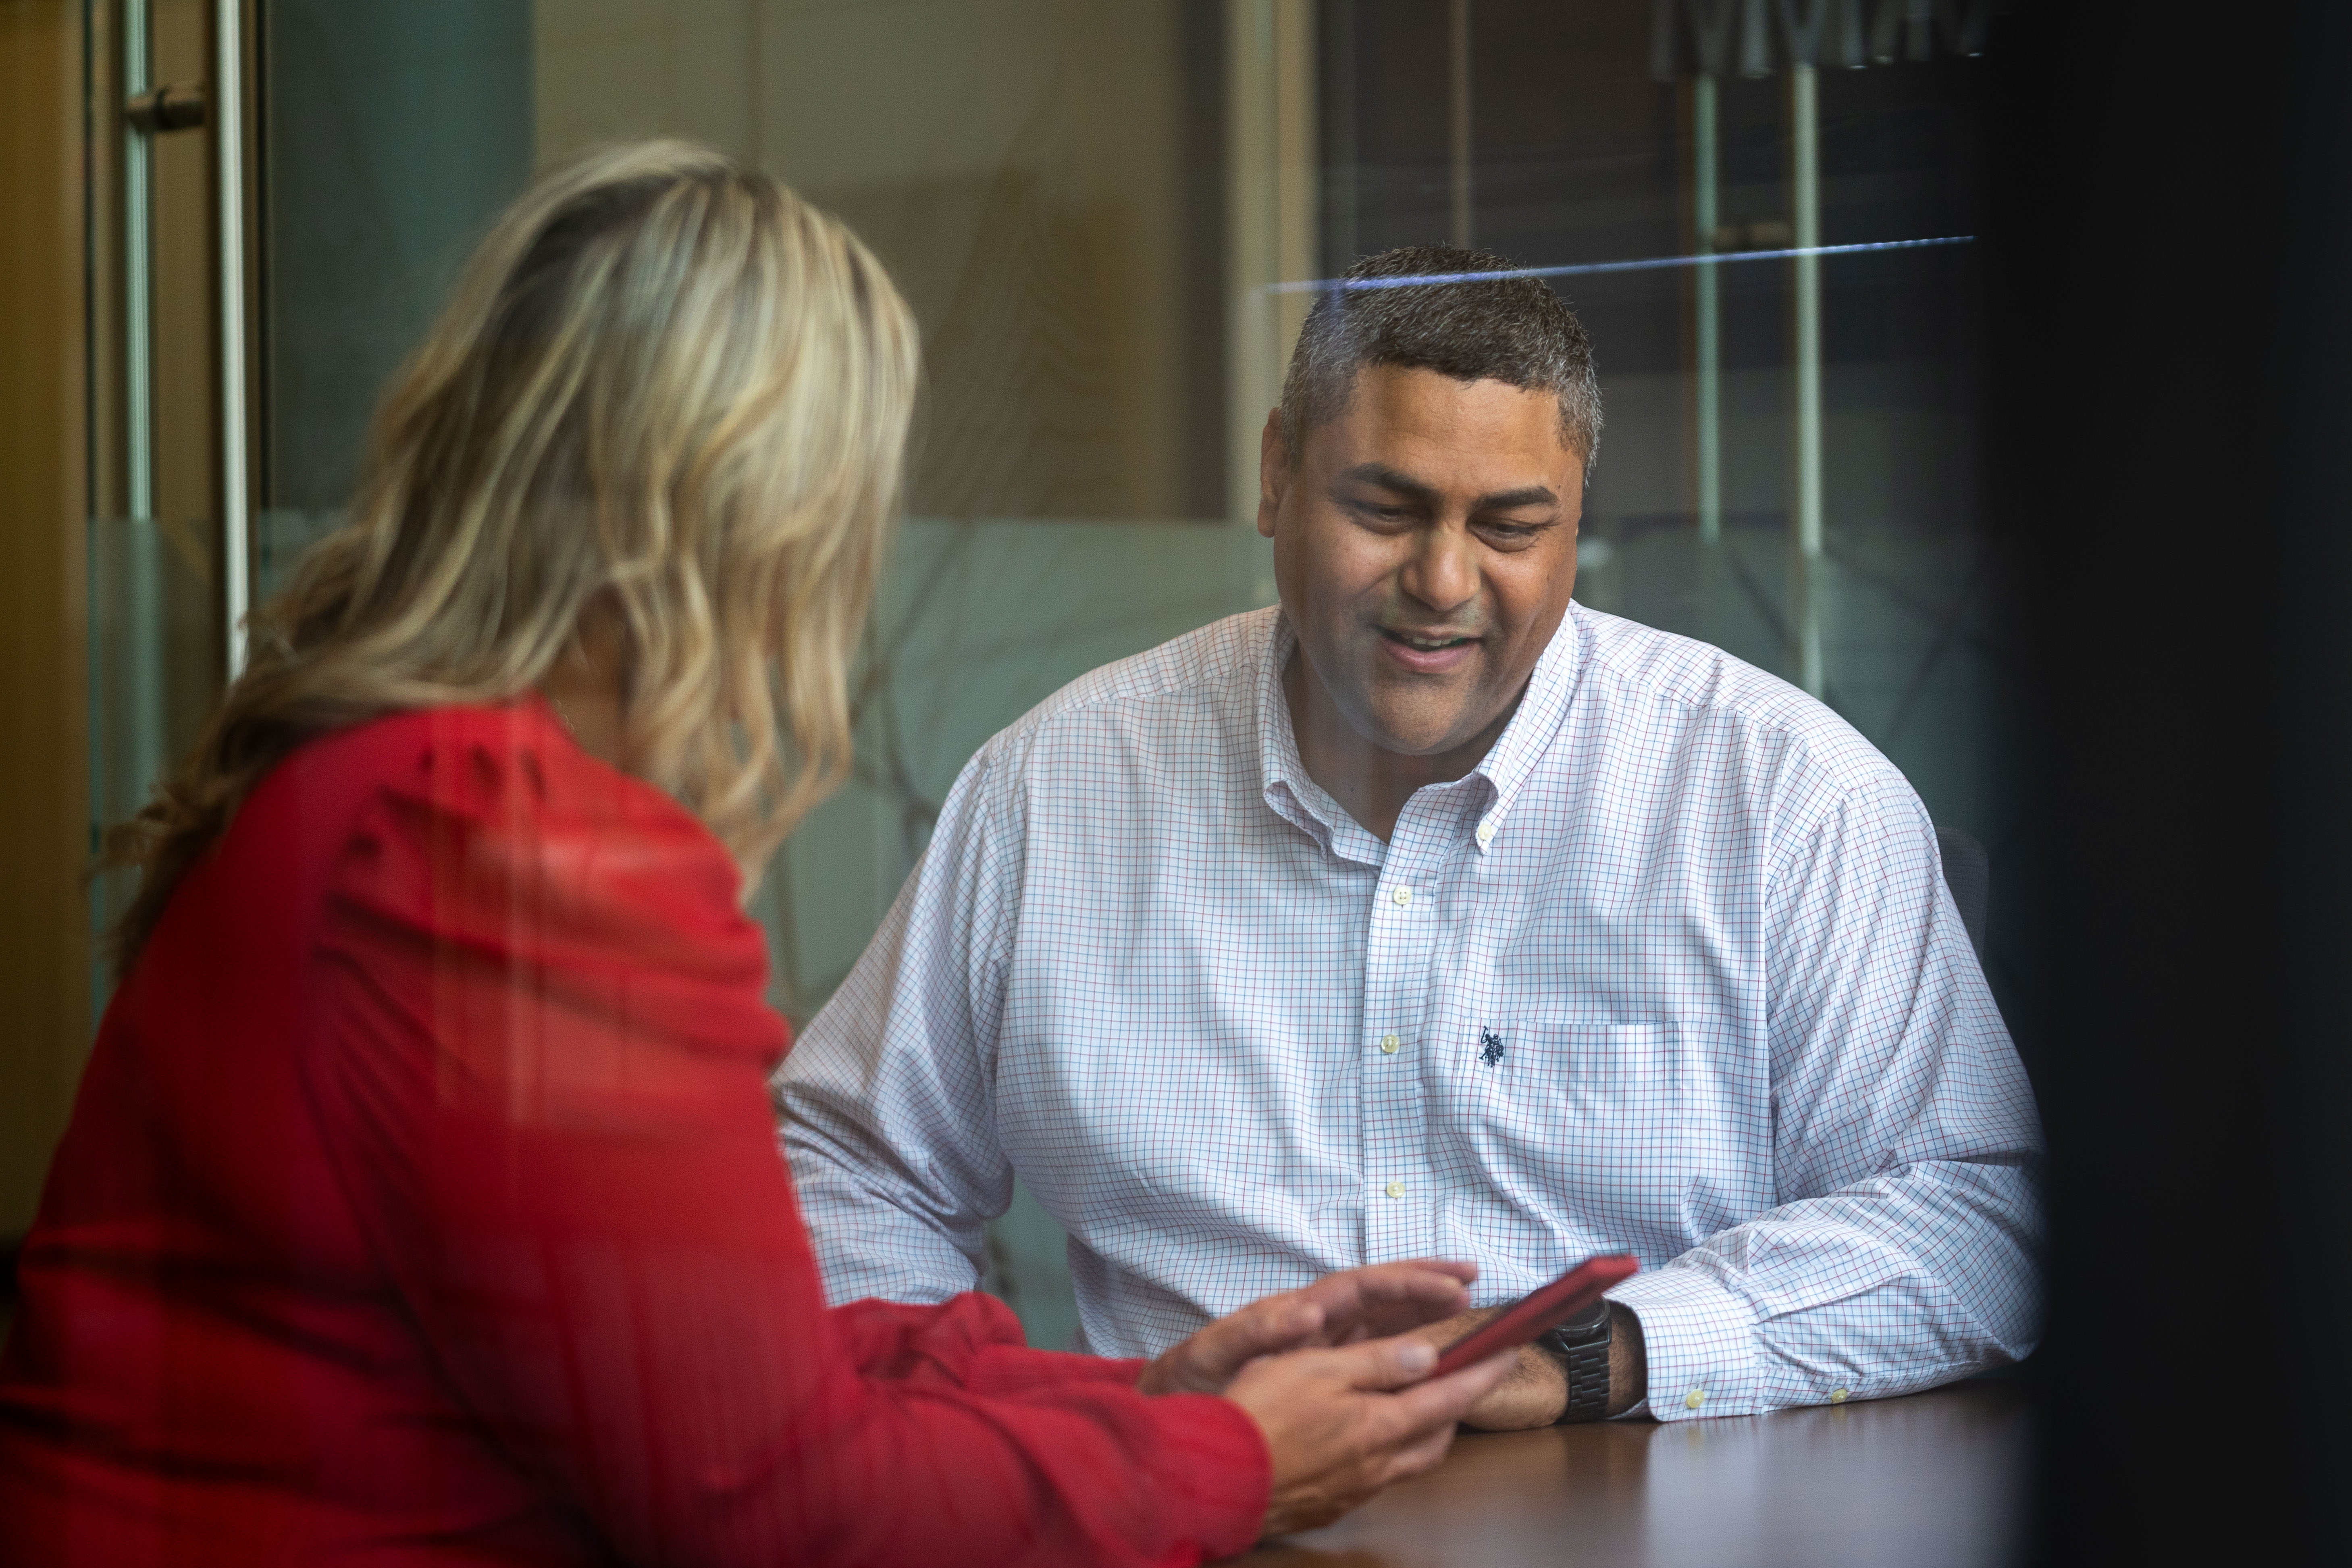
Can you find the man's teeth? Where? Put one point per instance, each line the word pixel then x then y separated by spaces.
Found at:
pixel 1429 645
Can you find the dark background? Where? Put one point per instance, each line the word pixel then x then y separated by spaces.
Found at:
pixel 2167 408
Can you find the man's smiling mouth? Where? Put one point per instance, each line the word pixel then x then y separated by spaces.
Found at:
pixel 1424 644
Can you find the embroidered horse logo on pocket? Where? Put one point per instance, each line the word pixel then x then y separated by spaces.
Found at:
pixel 1490 1046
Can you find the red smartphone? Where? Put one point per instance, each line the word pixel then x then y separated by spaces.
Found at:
pixel 1536 1311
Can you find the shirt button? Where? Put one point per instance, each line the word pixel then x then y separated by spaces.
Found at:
pixel 1486 834
pixel 1837 1395
pixel 1402 895
pixel 1695 1398
pixel 1396 1189
pixel 1389 1043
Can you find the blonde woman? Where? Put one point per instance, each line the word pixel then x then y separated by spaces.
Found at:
pixel 422 1204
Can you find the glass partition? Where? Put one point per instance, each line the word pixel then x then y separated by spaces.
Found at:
pixel 1110 220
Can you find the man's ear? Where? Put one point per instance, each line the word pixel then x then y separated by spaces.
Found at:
pixel 1273 472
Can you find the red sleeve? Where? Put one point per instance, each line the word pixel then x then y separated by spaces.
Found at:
pixel 536 1046
pixel 974 1341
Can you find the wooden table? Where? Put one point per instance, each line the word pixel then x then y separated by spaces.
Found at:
pixel 1933 1480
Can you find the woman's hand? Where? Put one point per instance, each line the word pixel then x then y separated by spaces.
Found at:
pixel 1337 1309
pixel 1337 1433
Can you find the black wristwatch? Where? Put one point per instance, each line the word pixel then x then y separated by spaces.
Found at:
pixel 1581 1347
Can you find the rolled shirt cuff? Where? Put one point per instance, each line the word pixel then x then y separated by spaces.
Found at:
pixel 1699 1340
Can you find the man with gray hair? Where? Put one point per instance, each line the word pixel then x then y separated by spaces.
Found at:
pixel 1435 913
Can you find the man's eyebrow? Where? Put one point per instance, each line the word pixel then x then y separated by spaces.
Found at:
pixel 1405 485
pixel 1527 495
pixel 1390 478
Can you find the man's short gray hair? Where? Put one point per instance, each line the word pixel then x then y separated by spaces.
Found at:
pixel 1435 307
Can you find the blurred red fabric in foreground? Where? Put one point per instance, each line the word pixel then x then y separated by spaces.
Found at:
pixel 422 1206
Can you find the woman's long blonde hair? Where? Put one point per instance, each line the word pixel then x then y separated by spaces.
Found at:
pixel 668 393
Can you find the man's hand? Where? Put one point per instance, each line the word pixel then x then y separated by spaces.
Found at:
pixel 1337 1309
pixel 1335 1434
pixel 1534 1393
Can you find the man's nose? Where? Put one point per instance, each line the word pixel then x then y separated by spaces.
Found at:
pixel 1443 572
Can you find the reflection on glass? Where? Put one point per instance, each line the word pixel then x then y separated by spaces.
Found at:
pixel 1109 221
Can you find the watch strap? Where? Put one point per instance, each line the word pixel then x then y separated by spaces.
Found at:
pixel 1581 1347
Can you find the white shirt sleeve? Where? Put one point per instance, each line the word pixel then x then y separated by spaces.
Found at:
pixel 1905 1147
pixel 888 1100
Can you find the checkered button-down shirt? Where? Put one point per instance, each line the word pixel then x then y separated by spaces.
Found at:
pixel 1674 972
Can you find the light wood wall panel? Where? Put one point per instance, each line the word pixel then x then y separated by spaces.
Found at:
pixel 44 974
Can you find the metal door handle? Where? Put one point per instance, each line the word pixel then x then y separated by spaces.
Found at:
pixel 179 107
pixel 152 110
pixel 228 137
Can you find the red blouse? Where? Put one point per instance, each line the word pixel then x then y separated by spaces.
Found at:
pixel 422 1206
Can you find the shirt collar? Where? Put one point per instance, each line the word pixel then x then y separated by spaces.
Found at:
pixel 1529 737
pixel 1288 791
pixel 1293 795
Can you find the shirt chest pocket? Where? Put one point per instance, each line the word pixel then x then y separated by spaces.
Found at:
pixel 1585 1123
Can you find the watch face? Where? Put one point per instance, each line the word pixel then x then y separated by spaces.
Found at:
pixel 1584 1327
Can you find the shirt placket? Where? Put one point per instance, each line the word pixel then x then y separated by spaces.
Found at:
pixel 1400 946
